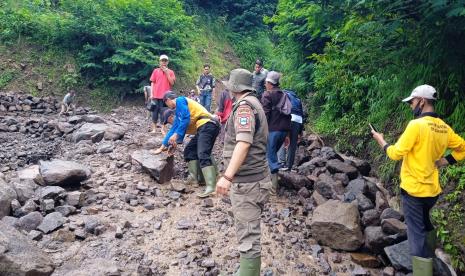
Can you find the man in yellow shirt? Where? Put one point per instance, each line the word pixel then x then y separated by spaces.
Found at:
pixel 421 148
pixel 192 118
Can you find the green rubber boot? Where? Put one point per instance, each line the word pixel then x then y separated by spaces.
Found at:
pixel 422 266
pixel 209 173
pixel 200 179
pixel 274 183
pixel 194 171
pixel 249 267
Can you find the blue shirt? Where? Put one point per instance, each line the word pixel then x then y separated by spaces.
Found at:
pixel 182 117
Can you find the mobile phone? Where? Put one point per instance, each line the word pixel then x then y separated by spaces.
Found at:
pixel 372 127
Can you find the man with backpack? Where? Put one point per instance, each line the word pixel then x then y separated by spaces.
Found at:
pixel 297 127
pixel 277 107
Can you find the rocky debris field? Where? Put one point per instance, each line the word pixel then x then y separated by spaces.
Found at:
pixel 82 195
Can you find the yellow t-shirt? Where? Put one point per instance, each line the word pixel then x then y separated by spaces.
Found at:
pixel 199 116
pixel 424 141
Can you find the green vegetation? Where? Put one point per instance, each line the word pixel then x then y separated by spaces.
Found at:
pixel 355 61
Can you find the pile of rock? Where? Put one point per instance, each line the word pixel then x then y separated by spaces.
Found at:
pixel 350 210
pixel 37 200
pixel 16 102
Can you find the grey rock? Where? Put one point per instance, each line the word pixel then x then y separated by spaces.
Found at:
pixel 303 192
pixel 97 137
pixel 328 187
pixel 354 188
pixel 391 213
pixel 47 205
pixel 75 120
pixel 50 192
pixel 364 203
pixel 209 263
pixel 293 180
pixel 51 222
pixel 75 198
pixel 328 153
pixel 31 172
pixel 30 221
pixel 184 224
pixel 337 166
pixel 9 220
pixel 160 167
pixel 337 225
pixel 93 119
pixel 174 195
pixel 381 202
pixel 91 225
pixel 362 165
pixel 371 218
pixel 7 195
pixel 376 240
pixel 114 132
pixel 399 256
pixel 20 256
pixel 105 148
pixel 65 127
pixel 35 235
pixel 208 203
pixel 86 131
pixel 66 210
pixel 24 188
pixel 394 226
pixel 63 173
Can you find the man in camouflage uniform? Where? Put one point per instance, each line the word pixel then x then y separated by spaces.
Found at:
pixel 247 172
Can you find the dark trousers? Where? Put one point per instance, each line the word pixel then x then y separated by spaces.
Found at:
pixel 275 140
pixel 156 113
pixel 293 138
pixel 416 212
pixel 200 147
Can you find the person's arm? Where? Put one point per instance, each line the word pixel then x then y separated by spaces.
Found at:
pixel 197 87
pixel 457 144
pixel 184 115
pixel 221 102
pixel 403 146
pixel 170 75
pixel 171 132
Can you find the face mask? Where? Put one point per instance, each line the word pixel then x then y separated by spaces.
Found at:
pixel 417 110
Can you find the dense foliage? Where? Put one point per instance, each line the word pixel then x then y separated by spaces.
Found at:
pixel 117 41
pixel 357 59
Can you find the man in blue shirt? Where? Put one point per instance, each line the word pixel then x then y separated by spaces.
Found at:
pixel 192 118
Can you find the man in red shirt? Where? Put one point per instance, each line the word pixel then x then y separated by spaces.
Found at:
pixel 162 80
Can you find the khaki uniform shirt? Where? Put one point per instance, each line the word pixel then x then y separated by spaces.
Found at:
pixel 242 126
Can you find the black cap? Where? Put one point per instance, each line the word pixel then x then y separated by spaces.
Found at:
pixel 169 95
pixel 166 114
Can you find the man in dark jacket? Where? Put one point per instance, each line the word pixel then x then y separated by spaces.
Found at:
pixel 278 123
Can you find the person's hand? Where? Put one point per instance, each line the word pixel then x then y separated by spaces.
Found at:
pixel 164 69
pixel 173 139
pixel 441 163
pixel 222 186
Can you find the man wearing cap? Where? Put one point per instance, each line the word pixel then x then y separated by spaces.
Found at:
pixel 246 171
pixel 205 84
pixel 279 123
pixel 192 118
pixel 421 148
pixel 162 80
pixel 259 76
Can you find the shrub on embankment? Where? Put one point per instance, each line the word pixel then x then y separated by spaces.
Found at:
pixel 115 43
pixel 356 60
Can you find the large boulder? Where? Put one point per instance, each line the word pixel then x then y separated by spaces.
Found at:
pixel 160 167
pixel 63 173
pixel 87 130
pixel 93 119
pixel 30 221
pixel 7 194
pixel 294 181
pixel 18 256
pixel 337 166
pixel 337 224
pixel 114 132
